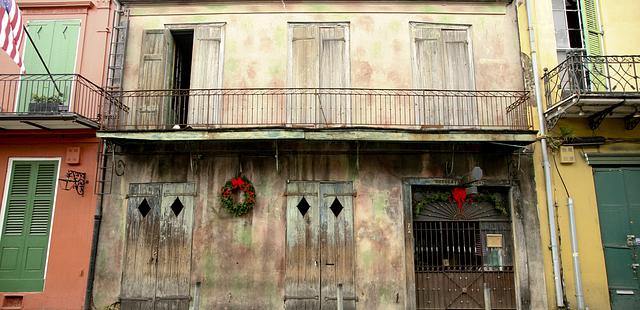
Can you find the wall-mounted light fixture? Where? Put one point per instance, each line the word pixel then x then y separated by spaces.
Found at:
pixel 75 180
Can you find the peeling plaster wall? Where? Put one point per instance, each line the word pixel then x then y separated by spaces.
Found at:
pixel 240 261
pixel 256 43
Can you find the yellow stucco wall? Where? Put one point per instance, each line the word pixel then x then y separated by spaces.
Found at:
pixel 619 20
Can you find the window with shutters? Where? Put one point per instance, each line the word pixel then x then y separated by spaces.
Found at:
pixel 577 28
pixel 180 57
pixel 442 60
pixel 319 59
pixel 26 225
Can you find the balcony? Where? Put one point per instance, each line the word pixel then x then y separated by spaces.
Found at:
pixel 291 113
pixel 31 101
pixel 594 88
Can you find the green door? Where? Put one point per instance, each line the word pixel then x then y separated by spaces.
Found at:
pixel 618 198
pixel 26 225
pixel 57 42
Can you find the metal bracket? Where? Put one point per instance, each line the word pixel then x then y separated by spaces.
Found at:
pixel 77 179
pixel 596 119
pixel 630 122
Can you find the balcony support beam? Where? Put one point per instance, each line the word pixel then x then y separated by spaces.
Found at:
pixel 631 121
pixel 596 119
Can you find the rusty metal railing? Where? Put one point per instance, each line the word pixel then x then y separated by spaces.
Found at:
pixel 580 74
pixel 35 94
pixel 211 109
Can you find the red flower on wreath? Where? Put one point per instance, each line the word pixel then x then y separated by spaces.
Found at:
pixel 459 195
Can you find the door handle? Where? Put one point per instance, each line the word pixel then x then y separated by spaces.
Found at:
pixel 631 240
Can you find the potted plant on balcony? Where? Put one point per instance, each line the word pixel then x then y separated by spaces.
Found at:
pixel 46 104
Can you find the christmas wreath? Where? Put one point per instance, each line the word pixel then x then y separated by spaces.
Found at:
pixel 242 184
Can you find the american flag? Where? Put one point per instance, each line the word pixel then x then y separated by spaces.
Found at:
pixel 11 32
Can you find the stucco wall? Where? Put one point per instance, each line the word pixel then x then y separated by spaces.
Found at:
pixel 256 39
pixel 72 224
pixel 240 261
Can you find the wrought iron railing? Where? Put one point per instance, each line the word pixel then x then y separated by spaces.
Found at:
pixel 36 94
pixel 580 74
pixel 212 109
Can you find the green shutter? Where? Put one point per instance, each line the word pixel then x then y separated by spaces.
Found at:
pixel 57 42
pixel 591 26
pixel 26 226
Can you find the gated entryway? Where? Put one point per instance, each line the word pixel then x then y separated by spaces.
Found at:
pixel 619 212
pixel 157 262
pixel 463 255
pixel 319 253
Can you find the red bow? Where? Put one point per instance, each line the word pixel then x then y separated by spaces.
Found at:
pixel 237 182
pixel 459 195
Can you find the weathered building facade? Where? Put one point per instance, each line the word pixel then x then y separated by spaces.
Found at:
pixel 361 128
pixel 589 72
pixel 48 153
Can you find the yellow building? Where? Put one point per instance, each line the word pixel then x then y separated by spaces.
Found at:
pixel 588 83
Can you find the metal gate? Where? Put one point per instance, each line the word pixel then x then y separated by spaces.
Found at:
pixel 462 257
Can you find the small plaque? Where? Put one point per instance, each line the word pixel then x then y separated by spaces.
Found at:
pixel 567 155
pixel 494 240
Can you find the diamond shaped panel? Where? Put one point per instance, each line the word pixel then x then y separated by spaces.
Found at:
pixel 177 206
pixel 144 207
pixel 336 207
pixel 303 206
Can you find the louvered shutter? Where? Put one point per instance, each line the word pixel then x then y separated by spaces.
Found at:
pixel 304 74
pixel 205 74
pixel 334 107
pixel 150 111
pixel 26 227
pixel 591 26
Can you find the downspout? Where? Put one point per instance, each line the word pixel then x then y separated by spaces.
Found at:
pixel 545 161
pixel 576 258
pixel 97 218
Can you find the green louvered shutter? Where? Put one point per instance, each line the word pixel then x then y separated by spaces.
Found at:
pixel 26 226
pixel 593 41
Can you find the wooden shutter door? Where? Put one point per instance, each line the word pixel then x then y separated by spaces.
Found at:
pixel 593 41
pixel 174 247
pixel 336 244
pixel 334 108
pixel 149 111
pixel 428 73
pixel 26 227
pixel 302 108
pixel 302 278
pixel 461 110
pixel 205 74
pixel 141 253
pixel 42 35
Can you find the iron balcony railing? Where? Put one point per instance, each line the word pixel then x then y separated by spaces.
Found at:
pixel 35 94
pixel 592 75
pixel 212 109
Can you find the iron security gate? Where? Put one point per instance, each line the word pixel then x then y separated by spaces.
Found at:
pixel 463 255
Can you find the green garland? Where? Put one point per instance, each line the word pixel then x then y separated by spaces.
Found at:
pixel 435 197
pixel 243 184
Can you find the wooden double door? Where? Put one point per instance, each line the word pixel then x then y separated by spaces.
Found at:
pixel 320 247
pixel 157 263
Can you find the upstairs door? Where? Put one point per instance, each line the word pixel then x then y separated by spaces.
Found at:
pixel 320 247
pixel 319 65
pixel 57 42
pixel 619 213
pixel 157 264
pixel 442 61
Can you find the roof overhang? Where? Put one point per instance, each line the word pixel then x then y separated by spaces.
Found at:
pixel 595 107
pixel 45 122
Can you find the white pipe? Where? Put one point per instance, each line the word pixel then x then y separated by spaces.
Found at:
pixel 576 258
pixel 545 161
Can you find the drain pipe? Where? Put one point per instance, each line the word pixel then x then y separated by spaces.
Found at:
pixel 545 160
pixel 576 258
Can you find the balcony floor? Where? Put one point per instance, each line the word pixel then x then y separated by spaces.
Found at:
pixel 513 136
pixel 14 121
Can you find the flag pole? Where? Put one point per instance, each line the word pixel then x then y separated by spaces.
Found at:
pixel 42 60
